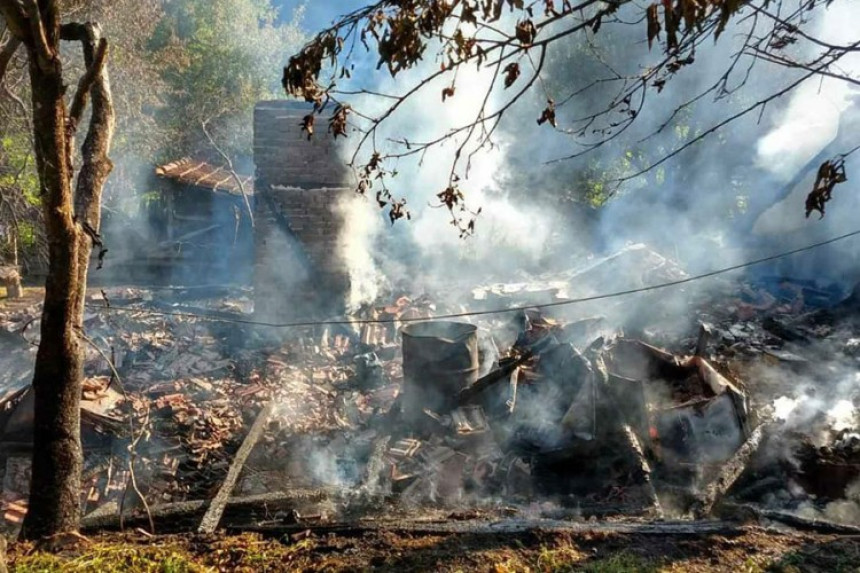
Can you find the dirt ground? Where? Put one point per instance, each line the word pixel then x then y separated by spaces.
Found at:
pixel 749 549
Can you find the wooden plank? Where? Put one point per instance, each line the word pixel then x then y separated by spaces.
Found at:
pixel 746 511
pixel 210 520
pixel 714 492
pixel 174 516
pixel 506 526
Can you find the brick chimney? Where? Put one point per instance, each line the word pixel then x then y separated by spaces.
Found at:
pixel 298 272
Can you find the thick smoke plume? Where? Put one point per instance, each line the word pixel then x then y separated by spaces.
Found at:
pixel 697 207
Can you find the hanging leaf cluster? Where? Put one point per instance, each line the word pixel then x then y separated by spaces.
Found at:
pixel 682 16
pixel 512 73
pixel 830 173
pixel 302 72
pixel 450 196
pixel 374 171
pixel 307 125
pixel 548 114
pixel 398 31
pixel 338 122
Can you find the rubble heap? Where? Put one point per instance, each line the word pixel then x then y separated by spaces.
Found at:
pixel 568 412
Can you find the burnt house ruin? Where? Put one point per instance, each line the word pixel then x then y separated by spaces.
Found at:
pixel 193 229
pixel 300 181
pixel 196 192
pixel 198 230
pixel 201 220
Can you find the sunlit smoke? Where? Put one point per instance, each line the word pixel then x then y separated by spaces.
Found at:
pixel 783 407
pixel 361 228
pixel 811 119
pixel 843 415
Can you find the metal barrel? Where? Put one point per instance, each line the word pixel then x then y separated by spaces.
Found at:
pixel 440 358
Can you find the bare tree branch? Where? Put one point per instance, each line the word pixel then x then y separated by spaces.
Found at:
pixel 463 32
pixel 15 18
pixel 7 52
pixel 39 37
pixel 758 104
pixel 79 102
pixel 96 165
pixel 204 125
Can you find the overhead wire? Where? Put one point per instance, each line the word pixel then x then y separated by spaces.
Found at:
pixel 512 309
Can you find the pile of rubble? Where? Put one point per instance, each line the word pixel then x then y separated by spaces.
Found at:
pixel 574 407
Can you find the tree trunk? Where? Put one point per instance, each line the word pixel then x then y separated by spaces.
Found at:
pixel 55 486
pixel 13 287
pixel 71 225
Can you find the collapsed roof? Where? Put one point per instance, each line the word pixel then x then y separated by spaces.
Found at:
pixel 202 174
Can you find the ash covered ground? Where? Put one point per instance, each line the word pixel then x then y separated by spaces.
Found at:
pixel 735 401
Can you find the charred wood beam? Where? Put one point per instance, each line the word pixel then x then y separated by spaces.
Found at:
pixel 782 331
pixel 745 512
pixel 172 516
pixel 375 465
pixel 643 467
pixel 714 492
pixel 506 526
pixel 210 520
pixel 468 395
pixel 705 335
pixel 760 488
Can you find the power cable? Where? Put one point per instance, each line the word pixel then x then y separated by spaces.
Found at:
pixel 568 302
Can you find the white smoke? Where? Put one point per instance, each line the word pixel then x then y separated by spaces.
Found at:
pixel 845 511
pixel 358 235
pixel 811 119
pixel 508 227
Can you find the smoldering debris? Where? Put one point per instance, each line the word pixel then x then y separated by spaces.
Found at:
pixel 751 401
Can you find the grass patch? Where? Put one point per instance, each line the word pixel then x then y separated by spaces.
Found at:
pixel 177 555
pixel 567 558
pixel 833 557
pixel 111 559
pixel 620 563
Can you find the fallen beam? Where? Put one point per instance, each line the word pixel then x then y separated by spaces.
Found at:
pixel 179 515
pixel 470 394
pixel 210 520
pixel 504 526
pixel 714 492
pixel 375 465
pixel 643 467
pixel 746 511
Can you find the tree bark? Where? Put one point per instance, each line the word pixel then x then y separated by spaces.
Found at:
pixel 57 460
pixel 72 222
pixel 96 166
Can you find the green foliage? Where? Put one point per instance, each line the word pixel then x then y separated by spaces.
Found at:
pixel 18 169
pixel 230 52
pixel 27 234
pixel 150 199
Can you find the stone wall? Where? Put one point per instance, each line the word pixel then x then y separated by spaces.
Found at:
pixel 298 272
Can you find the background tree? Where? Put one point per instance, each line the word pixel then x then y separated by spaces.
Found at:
pixel 21 236
pixel 512 41
pixel 215 59
pixel 71 211
pixel 225 51
pixel 177 66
